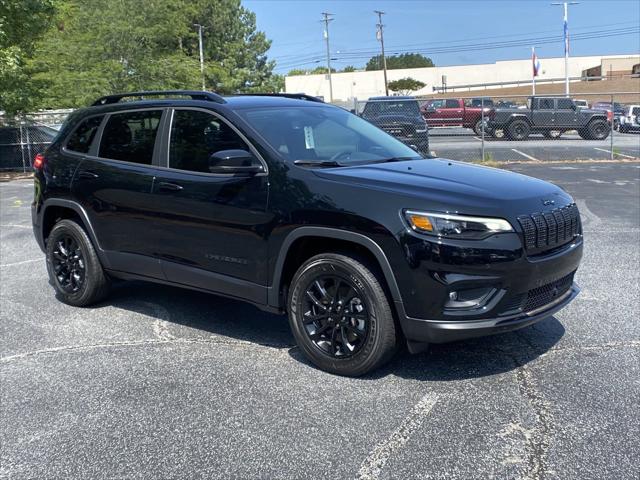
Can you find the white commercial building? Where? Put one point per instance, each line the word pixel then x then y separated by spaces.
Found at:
pixel 365 84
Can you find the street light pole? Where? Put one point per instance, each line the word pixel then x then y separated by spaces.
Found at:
pixel 565 6
pixel 327 19
pixel 384 59
pixel 200 27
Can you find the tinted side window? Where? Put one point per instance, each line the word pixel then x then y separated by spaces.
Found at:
pixel 436 104
pixel 565 104
pixel 195 136
pixel 451 104
pixel 130 136
pixel 81 138
pixel 545 104
pixel 635 111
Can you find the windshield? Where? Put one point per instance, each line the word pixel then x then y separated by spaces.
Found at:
pixel 324 133
pixel 391 107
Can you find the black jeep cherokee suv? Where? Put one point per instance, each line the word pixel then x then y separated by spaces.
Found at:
pixel 298 206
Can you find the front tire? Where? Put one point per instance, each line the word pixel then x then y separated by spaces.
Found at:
pixel 340 315
pixel 73 265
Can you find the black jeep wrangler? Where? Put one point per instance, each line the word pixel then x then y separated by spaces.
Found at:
pixel 551 116
pixel 300 207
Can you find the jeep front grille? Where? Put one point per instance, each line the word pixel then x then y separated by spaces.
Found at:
pixel 546 231
pixel 538 297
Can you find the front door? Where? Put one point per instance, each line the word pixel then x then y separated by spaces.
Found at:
pixel 210 227
pixel 566 114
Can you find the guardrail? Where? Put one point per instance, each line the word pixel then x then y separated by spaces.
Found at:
pixel 520 83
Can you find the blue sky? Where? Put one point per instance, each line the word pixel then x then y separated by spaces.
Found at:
pixel 296 31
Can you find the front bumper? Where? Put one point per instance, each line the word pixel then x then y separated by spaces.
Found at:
pixel 438 331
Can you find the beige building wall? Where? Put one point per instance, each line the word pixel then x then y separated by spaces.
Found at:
pixel 362 85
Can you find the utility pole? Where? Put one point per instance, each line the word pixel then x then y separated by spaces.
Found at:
pixel 200 28
pixel 384 59
pixel 326 20
pixel 566 43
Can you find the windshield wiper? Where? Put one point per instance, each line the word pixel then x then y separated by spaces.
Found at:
pixel 317 163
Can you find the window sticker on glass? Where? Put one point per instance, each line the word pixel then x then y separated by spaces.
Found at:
pixel 309 142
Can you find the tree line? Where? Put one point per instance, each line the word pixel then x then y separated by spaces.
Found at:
pixel 394 62
pixel 66 53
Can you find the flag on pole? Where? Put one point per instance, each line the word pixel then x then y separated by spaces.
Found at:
pixel 536 63
pixel 566 32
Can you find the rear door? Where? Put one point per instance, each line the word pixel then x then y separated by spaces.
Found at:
pixel 543 110
pixel 210 227
pixel 114 183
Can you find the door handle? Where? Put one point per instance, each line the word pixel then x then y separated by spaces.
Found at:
pixel 88 175
pixel 169 187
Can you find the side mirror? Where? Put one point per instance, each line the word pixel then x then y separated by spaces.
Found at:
pixel 234 161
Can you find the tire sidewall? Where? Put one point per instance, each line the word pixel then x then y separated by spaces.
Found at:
pixel 70 228
pixel 346 366
pixel 592 128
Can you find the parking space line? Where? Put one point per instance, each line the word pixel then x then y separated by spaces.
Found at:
pixel 376 460
pixel 524 155
pixel 614 154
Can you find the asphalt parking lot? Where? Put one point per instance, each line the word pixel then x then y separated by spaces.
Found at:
pixel 462 144
pixel 158 382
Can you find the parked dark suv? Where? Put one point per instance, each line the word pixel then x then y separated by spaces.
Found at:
pixel 399 116
pixel 301 207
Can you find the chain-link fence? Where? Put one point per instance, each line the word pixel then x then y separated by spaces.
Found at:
pixel 602 126
pixel 23 137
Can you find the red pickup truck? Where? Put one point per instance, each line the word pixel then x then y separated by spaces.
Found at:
pixel 455 112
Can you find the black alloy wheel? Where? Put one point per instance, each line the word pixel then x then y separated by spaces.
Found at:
pixel 74 268
pixel 340 314
pixel 68 264
pixel 335 317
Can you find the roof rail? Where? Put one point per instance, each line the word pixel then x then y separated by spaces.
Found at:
pixel 194 94
pixel 295 96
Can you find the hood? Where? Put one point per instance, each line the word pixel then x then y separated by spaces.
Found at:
pixel 395 119
pixel 471 188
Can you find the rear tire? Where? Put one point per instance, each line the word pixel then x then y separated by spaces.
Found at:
pixel 518 130
pixel 340 315
pixel 598 129
pixel 73 265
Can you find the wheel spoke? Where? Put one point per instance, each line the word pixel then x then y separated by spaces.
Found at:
pixel 358 333
pixel 315 301
pixel 344 341
pixel 314 318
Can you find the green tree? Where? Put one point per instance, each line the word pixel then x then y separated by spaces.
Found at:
pixel 297 71
pixel 405 86
pixel 127 48
pixel 405 60
pixel 349 68
pixel 21 24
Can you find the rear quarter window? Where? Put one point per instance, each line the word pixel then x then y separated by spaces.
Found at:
pixel 82 136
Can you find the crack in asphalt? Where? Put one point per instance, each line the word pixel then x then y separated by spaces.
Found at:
pixel 372 466
pixel 539 439
pixel 144 342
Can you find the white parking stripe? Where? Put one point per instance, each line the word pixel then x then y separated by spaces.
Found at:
pixel 524 155
pixel 614 154
pixel 376 460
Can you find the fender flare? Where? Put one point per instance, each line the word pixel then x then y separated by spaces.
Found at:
pixel 82 213
pixel 273 294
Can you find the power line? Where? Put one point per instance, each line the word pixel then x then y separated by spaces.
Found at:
pixel 469 47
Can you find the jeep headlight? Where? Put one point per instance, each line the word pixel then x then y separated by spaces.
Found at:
pixel 455 226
